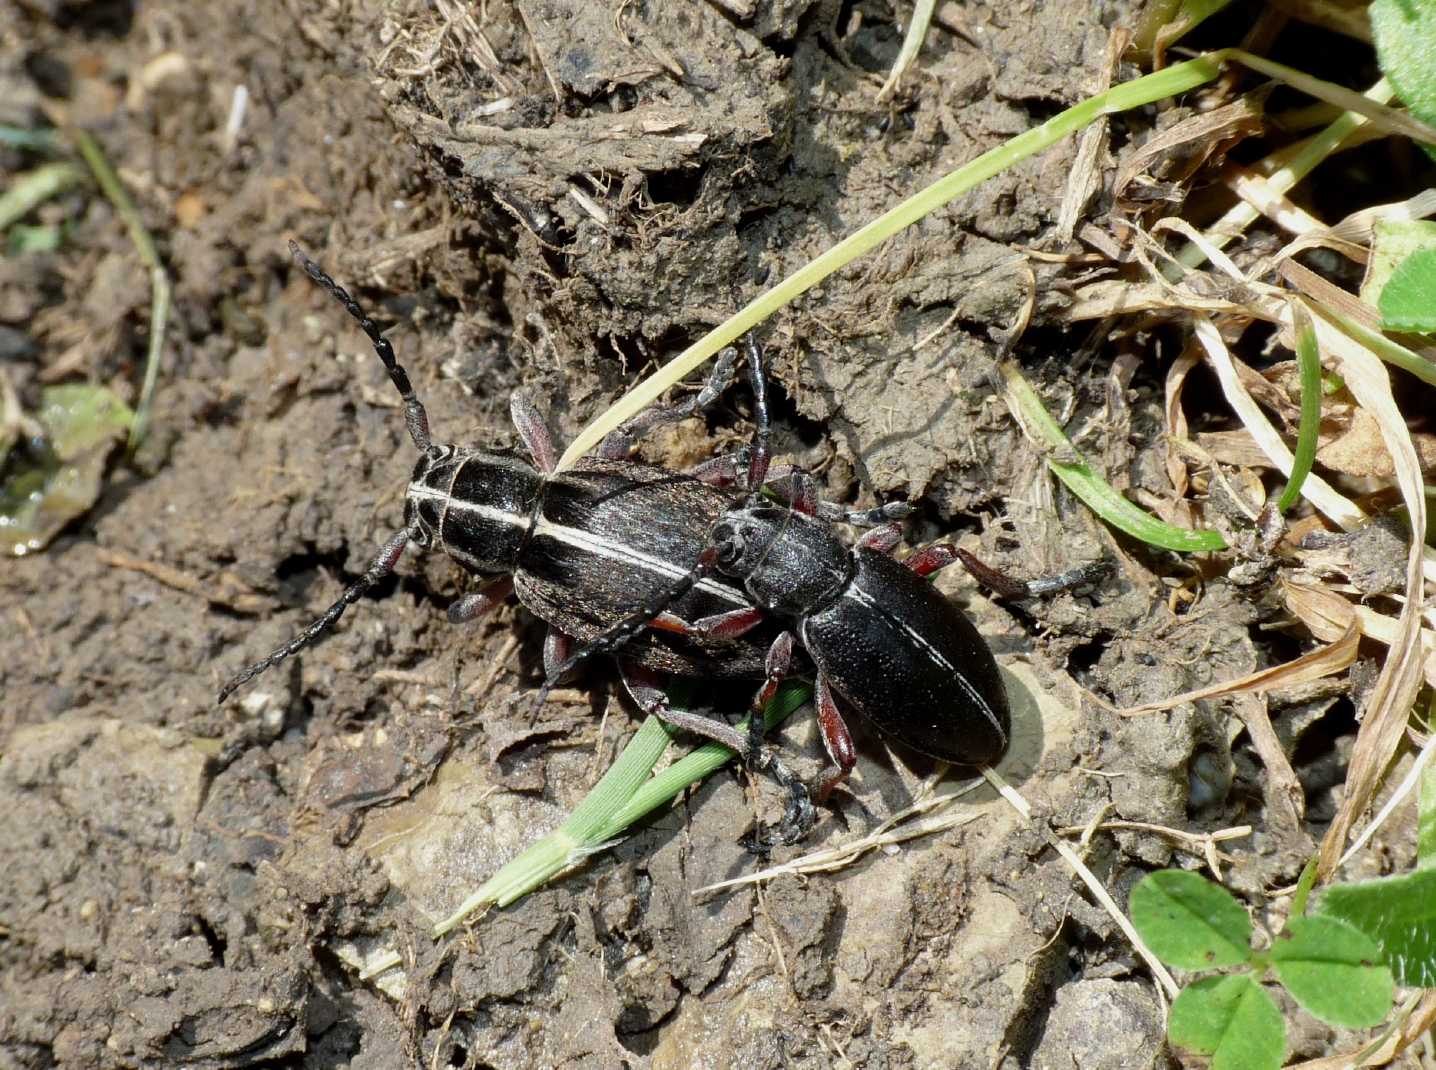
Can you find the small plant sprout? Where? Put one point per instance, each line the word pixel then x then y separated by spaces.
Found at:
pixel 1331 968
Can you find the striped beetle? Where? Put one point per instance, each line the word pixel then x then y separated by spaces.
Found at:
pixel 580 548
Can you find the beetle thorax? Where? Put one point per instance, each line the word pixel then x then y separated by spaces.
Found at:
pixel 477 507
pixel 790 564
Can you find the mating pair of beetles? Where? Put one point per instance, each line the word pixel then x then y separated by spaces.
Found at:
pixel 713 573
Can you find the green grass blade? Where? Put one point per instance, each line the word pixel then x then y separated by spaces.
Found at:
pixel 1148 89
pixel 1304 884
pixel 625 795
pixel 160 291
pixel 1387 349
pixel 579 833
pixel 1099 495
pixel 694 767
pixel 1308 359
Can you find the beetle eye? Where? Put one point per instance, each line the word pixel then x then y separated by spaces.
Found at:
pixel 730 545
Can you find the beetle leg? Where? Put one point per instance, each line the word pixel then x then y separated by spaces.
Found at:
pixel 642 686
pixel 760 454
pixel 798 814
pixel 883 539
pixel 865 518
pixel 616 446
pixel 797 488
pixel 474 605
pixel 995 580
pixel 934 558
pixel 927 561
pixel 619 444
pixel 557 646
pixel 724 470
pixel 777 665
pixel 728 625
pixel 1073 577
pixel 534 432
pixel 837 740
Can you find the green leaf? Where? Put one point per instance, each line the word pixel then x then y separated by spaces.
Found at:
pixel 1189 922
pixel 46 487
pixel 23 239
pixel 1334 970
pixel 35 188
pixel 1392 241
pixel 1399 913
pixel 1408 300
pixel 1405 36
pixel 1233 1020
pixel 79 417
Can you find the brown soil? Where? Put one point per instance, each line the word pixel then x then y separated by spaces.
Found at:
pixel 192 885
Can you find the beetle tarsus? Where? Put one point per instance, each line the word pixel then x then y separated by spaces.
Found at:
pixel 799 815
pixel 619 444
pixel 1015 590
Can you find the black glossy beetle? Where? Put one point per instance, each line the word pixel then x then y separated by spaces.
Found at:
pixel 884 640
pixel 580 548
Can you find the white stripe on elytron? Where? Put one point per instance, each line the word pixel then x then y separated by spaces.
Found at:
pixel 921 641
pixel 601 547
pixel 583 540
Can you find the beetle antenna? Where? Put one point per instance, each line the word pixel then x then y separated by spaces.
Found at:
pixel 381 566
pixel 760 455
pixel 618 635
pixel 415 417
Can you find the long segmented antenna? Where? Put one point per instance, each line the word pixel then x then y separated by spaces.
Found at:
pixel 630 626
pixel 417 421
pixel 381 566
pixel 415 416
